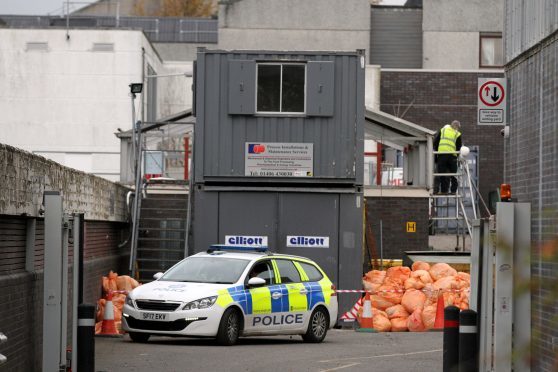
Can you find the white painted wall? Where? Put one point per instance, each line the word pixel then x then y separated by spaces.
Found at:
pixel 451 31
pixel 295 25
pixel 67 101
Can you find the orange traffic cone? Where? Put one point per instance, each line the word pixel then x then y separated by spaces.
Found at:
pixel 439 322
pixel 366 323
pixel 108 327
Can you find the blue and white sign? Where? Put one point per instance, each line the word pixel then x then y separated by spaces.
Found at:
pixel 302 241
pixel 255 241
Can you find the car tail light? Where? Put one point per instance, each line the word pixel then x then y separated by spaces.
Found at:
pixel 333 290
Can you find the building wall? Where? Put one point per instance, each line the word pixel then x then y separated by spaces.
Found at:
pixel 388 217
pixel 433 99
pixel 451 31
pixel 23 179
pixel 531 158
pixel 63 99
pixel 295 25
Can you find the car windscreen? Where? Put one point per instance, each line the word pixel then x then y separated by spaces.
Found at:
pixel 207 270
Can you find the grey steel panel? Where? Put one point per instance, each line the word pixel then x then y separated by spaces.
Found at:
pixel 319 99
pixel 350 248
pixel 396 37
pixel 311 215
pixel 242 87
pixel 221 138
pixel 243 213
pixel 205 226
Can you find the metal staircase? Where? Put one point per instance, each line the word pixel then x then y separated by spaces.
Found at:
pixel 451 214
pixel 161 232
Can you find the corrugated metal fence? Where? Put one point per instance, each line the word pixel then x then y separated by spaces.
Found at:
pixel 178 30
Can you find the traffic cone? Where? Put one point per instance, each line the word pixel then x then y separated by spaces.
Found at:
pixel 439 322
pixel 108 327
pixel 366 323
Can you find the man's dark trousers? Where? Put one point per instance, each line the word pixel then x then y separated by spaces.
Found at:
pixel 447 163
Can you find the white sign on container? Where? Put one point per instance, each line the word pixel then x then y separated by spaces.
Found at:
pixel 255 241
pixel 266 159
pixel 492 98
pixel 302 241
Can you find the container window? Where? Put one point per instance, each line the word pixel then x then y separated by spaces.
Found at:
pixel 491 50
pixel 281 88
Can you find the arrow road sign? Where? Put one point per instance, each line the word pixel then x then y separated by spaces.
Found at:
pixel 491 101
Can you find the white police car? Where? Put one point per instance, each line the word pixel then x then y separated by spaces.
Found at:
pixel 229 292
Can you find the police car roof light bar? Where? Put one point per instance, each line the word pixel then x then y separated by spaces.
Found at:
pixel 244 248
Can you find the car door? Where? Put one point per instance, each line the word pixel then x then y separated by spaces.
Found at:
pixel 259 299
pixel 295 308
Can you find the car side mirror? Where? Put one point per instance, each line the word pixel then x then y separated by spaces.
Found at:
pixel 157 276
pixel 256 282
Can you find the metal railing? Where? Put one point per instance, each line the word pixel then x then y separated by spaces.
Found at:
pixel 157 29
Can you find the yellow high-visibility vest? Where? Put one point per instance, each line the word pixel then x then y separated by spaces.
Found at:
pixel 448 137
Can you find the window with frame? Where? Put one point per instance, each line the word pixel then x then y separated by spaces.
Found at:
pixel 263 270
pixel 288 272
pixel 281 88
pixel 312 272
pixel 491 52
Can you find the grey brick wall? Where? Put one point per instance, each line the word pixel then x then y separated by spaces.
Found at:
pixel 394 214
pixel 434 99
pixel 532 170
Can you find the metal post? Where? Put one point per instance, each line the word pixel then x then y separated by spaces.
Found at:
pixel 76 286
pixel 64 298
pixel 86 338
pixel 381 245
pixel 137 200
pixel 485 308
pixel 52 281
pixel 503 291
pixel 468 347
pixel 81 227
pixel 451 339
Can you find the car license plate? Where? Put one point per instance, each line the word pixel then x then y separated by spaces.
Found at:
pixel 155 316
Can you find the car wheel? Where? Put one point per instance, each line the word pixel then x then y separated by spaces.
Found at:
pixel 139 337
pixel 318 326
pixel 229 328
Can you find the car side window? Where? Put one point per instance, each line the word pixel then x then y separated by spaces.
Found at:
pixel 263 270
pixel 288 272
pixel 312 272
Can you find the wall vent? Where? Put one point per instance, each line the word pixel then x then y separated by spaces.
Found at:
pixel 103 47
pixel 33 46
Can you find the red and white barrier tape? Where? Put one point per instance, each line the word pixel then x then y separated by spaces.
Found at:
pixel 399 290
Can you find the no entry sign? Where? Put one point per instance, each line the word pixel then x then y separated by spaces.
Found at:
pixel 492 96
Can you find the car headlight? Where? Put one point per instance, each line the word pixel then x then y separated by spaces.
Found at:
pixel 129 301
pixel 202 303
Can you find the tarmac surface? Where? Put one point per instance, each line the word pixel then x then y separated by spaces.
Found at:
pixel 342 350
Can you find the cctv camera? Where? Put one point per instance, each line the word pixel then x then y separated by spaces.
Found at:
pixel 505 132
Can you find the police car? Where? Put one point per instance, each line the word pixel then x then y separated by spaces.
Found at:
pixel 233 291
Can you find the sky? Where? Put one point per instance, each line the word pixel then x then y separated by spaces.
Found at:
pixel 54 7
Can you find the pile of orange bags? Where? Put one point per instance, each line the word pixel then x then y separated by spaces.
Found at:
pixel 114 282
pixel 405 299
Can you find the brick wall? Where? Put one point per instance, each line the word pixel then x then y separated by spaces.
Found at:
pixel 532 170
pixel 433 99
pixel 394 214
pixel 23 179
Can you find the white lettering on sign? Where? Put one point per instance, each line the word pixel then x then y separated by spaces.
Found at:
pixel 256 241
pixel 297 241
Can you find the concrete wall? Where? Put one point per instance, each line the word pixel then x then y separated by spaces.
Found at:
pixel 451 31
pixel 295 25
pixel 65 100
pixel 25 177
pixel 531 157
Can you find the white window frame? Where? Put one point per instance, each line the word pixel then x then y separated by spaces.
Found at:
pixel 281 88
pixel 490 35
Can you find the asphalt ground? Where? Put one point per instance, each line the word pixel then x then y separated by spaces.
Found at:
pixel 342 350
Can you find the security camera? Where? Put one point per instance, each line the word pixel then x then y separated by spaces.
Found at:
pixel 505 132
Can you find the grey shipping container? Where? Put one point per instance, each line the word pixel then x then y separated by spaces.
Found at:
pixel 324 108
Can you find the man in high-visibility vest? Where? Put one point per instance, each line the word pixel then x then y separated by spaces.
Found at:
pixel 447 139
